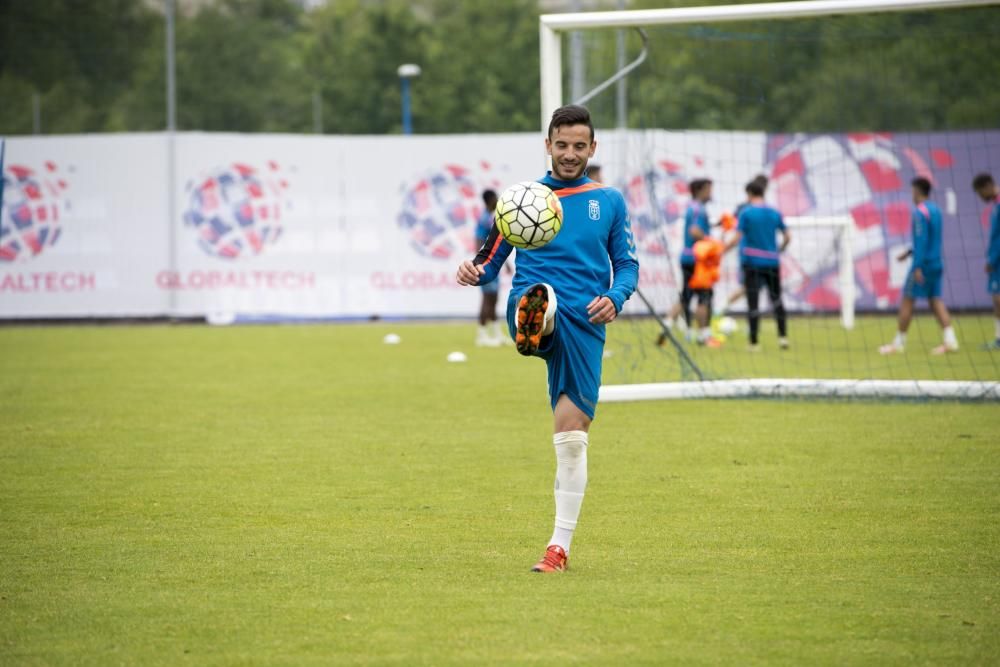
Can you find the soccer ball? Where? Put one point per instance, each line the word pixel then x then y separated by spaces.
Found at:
pixel 728 326
pixel 528 215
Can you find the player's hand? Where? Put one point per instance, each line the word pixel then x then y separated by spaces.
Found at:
pixel 918 276
pixel 989 268
pixel 468 273
pixel 602 310
pixel 903 256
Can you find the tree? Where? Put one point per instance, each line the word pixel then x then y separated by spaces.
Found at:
pixel 351 53
pixel 77 56
pixel 481 72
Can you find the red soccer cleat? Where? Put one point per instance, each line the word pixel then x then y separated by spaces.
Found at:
pixel 531 311
pixel 554 560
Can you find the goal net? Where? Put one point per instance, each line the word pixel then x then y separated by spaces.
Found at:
pixel 840 105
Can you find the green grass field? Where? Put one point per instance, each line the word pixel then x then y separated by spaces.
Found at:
pixel 308 495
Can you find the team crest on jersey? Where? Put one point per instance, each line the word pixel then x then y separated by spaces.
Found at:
pixel 594 210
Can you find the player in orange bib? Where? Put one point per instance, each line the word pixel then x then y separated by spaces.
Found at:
pixel 707 258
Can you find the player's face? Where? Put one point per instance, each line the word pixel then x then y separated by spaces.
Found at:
pixel 917 195
pixel 570 146
pixel 987 193
pixel 706 193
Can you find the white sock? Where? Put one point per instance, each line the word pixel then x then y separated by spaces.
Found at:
pixel 900 339
pixel 706 333
pixel 571 481
pixel 481 333
pixel 996 327
pixel 949 336
pixel 549 324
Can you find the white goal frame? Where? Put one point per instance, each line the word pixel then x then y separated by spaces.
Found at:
pixel 551 28
pixel 844 227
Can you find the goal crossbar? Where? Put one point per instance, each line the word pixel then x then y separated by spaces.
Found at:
pixel 809 388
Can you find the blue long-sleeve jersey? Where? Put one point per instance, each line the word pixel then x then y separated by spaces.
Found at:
pixel 993 249
pixel 595 240
pixel 694 216
pixel 927 236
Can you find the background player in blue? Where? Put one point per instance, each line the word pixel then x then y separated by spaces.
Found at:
pixel 986 188
pixel 756 234
pixel 696 227
pixel 561 299
pixel 741 291
pixel 924 278
pixel 488 334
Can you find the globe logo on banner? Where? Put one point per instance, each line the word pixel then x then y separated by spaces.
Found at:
pixel 865 176
pixel 236 211
pixel 656 200
pixel 440 210
pixel 33 207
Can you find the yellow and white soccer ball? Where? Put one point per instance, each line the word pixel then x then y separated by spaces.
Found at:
pixel 728 326
pixel 528 215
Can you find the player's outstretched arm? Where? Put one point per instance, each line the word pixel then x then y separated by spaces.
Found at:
pixel 468 273
pixel 489 260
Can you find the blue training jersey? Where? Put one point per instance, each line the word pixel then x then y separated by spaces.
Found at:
pixel 758 227
pixel 694 216
pixel 595 239
pixel 926 221
pixel 993 249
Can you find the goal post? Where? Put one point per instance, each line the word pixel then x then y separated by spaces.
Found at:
pixel 842 227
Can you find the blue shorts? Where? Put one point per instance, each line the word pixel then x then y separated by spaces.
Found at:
pixel 929 289
pixel 491 287
pixel 574 354
pixel 993 283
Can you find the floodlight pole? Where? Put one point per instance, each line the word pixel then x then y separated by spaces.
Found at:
pixel 171 81
pixel 407 72
pixel 577 64
pixel 171 209
pixel 621 94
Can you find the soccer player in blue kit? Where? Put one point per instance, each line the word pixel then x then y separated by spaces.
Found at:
pixel 696 227
pixel 561 298
pixel 986 188
pixel 760 257
pixel 926 270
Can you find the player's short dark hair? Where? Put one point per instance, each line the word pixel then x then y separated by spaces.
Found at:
pixel 982 180
pixel 923 184
pixel 697 185
pixel 571 114
pixel 762 179
pixel 755 188
pixel 592 167
pixel 489 195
